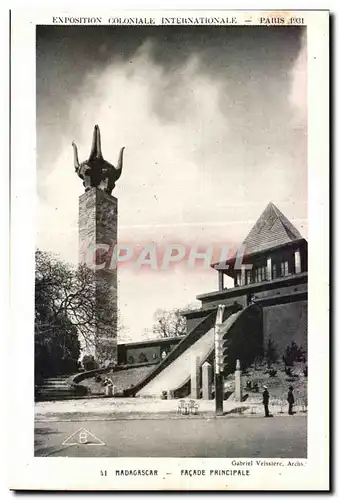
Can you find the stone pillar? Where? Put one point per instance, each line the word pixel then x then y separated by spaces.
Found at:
pixel 220 281
pixel 238 382
pixel 195 377
pixel 98 220
pixel 243 276
pixel 269 269
pixel 297 261
pixel 206 381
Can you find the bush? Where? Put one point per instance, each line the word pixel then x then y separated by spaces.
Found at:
pixel 89 362
pixel 255 387
pixel 293 353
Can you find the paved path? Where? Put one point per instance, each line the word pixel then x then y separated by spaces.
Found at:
pixel 237 436
pixel 112 408
pixel 116 405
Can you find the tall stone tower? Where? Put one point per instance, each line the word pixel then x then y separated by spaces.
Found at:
pixel 98 222
pixel 98 226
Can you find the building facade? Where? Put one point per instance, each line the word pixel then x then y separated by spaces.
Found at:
pixel 146 351
pixel 273 274
pixel 267 304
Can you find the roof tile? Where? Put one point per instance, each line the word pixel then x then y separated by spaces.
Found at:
pixel 271 229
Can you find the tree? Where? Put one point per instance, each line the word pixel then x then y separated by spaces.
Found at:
pixel 70 303
pixel 58 351
pixel 169 323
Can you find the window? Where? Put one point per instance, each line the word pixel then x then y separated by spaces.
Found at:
pixel 284 268
pixel 143 358
pixel 260 274
pixel 248 277
pixel 130 360
pixel 274 271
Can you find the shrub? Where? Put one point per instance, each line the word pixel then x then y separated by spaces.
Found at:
pixel 255 387
pixel 89 362
pixel 293 353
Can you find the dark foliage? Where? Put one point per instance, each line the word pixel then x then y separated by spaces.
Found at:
pixel 89 363
pixel 64 313
pixel 270 352
pixel 293 353
pixel 58 352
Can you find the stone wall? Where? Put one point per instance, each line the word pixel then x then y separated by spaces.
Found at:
pixel 284 323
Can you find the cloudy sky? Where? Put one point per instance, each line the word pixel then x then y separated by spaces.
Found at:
pixel 214 124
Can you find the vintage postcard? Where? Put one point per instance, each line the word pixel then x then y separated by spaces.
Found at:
pixel 170 234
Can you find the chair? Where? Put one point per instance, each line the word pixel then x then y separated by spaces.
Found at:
pixel 193 407
pixel 181 406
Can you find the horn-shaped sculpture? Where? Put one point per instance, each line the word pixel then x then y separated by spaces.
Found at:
pixel 97 172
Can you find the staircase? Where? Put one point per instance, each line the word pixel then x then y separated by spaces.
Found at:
pixel 57 388
pixel 178 373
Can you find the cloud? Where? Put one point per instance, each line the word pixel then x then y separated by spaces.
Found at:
pixel 171 140
pixel 298 91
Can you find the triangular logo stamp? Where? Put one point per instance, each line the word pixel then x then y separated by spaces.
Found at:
pixel 83 436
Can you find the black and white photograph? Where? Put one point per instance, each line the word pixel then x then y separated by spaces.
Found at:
pixel 173 213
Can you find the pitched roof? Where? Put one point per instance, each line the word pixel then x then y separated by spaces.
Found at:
pixel 271 229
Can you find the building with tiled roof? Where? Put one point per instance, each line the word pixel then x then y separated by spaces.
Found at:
pixel 273 249
pixel 272 229
pixel 270 270
pixel 267 302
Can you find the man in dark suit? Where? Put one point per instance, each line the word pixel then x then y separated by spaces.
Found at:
pixel 290 400
pixel 265 400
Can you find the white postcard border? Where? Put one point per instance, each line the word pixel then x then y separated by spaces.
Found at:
pixel 54 473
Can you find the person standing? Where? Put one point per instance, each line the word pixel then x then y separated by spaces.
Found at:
pixel 265 400
pixel 290 400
